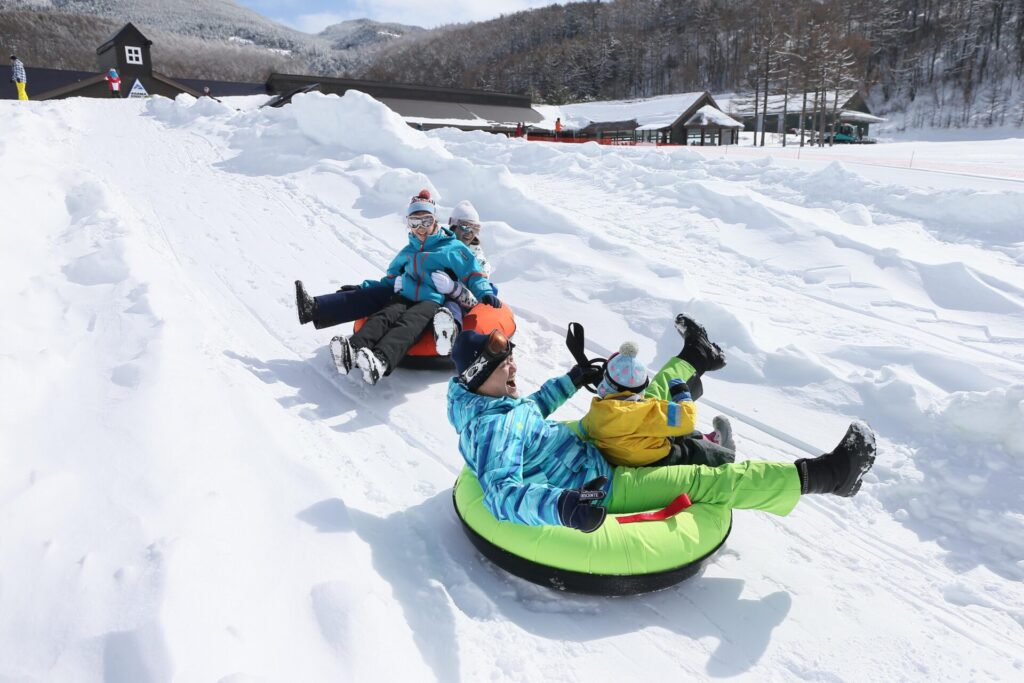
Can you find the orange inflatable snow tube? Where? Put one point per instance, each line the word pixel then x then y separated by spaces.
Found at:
pixel 481 318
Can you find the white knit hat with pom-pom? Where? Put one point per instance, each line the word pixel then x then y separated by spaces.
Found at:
pixel 624 372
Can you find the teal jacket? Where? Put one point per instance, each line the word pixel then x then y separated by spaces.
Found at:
pixel 523 461
pixel 440 251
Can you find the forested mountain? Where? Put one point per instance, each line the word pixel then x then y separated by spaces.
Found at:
pixel 943 62
pixel 963 57
pixel 360 33
pixel 215 39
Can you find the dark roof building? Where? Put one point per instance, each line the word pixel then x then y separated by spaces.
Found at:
pixel 692 118
pixel 128 52
pixel 44 80
pixel 426 106
pixel 422 106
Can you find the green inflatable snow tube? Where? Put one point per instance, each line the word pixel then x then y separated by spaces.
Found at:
pixel 617 559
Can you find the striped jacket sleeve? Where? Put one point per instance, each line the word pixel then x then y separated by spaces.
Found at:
pixel 506 495
pixel 553 394
pixel 18 71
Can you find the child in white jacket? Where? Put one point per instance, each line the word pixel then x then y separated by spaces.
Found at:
pixel 464 223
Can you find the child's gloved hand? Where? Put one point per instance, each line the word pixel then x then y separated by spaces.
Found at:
pixel 679 390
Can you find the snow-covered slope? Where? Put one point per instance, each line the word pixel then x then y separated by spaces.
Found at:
pixel 190 492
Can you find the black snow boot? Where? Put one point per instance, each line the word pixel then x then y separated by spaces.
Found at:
pixel 305 304
pixel 700 352
pixel 842 471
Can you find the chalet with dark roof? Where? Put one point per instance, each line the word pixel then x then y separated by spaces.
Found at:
pixel 128 52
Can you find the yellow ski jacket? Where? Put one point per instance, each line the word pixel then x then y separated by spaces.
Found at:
pixel 635 433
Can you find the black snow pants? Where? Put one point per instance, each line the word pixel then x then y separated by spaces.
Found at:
pixel 392 330
pixel 694 449
pixel 344 307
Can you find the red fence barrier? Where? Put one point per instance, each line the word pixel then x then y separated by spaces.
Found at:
pixel 601 141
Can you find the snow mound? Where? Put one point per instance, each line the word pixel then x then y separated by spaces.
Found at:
pixel 359 123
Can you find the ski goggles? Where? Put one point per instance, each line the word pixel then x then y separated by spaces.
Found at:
pixel 464 225
pixel 419 222
pixel 496 349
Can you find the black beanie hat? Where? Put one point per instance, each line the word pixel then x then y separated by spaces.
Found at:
pixel 468 347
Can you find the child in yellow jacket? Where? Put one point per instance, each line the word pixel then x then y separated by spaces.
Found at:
pixel 637 421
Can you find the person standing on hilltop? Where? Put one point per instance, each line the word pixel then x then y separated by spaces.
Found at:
pixel 18 77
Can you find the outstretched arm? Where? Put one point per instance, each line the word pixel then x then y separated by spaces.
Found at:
pixel 553 394
pixel 394 270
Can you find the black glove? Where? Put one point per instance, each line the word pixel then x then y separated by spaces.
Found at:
pixel 575 509
pixel 490 300
pixel 700 352
pixel 348 288
pixel 582 375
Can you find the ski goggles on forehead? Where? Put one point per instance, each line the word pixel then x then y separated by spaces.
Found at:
pixel 418 222
pixel 496 349
pixel 464 225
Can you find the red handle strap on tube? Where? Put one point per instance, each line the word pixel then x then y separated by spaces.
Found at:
pixel 672 509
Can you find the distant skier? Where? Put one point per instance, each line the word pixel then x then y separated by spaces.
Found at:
pixel 18 77
pixel 558 128
pixel 113 83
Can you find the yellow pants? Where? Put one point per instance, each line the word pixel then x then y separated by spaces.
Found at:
pixel 22 95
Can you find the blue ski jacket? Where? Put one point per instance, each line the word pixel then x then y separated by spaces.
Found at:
pixel 440 251
pixel 523 461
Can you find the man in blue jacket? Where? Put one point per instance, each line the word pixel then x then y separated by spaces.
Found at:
pixel 538 472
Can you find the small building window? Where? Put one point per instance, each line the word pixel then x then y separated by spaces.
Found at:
pixel 133 55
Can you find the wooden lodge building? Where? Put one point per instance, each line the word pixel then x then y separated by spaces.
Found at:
pixel 128 52
pixel 682 119
pixel 850 109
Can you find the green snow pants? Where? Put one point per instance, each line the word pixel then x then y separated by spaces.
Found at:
pixel 755 484
pixel 674 368
pixel 692 449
